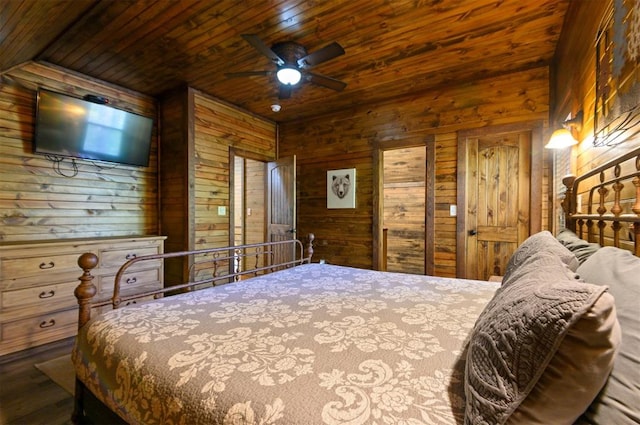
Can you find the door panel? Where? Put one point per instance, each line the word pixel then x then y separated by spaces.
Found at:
pixel 281 203
pixel 497 201
pixel 403 198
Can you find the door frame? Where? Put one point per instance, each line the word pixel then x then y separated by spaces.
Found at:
pixel 536 179
pixel 428 142
pixel 233 152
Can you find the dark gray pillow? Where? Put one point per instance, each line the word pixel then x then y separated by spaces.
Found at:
pixel 619 401
pixel 541 350
pixel 580 248
pixel 539 242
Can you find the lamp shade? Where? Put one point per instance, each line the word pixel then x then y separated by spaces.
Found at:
pixel 289 76
pixel 561 139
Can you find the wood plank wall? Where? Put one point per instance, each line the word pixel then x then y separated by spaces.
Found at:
pixel 197 179
pixel 349 138
pixel 102 200
pixel 575 82
pixel 219 127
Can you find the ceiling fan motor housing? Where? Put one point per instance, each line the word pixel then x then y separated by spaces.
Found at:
pixel 290 52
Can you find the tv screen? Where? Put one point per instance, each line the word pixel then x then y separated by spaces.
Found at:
pixel 72 127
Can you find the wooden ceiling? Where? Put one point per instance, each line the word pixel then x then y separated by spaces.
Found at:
pixel 393 47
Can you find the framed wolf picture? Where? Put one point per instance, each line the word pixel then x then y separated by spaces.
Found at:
pixel 341 188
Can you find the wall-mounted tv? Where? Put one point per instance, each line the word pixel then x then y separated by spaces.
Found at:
pixel 71 127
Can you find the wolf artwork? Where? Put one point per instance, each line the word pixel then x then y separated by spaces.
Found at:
pixel 341 188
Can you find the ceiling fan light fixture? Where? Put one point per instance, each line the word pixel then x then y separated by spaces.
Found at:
pixel 288 75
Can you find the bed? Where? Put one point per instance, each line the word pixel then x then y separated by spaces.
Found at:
pixel 298 342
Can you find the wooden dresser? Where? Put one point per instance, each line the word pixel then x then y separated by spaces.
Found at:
pixel 37 280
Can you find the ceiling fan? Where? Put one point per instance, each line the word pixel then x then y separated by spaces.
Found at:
pixel 293 61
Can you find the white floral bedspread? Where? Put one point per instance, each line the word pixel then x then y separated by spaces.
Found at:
pixel 317 344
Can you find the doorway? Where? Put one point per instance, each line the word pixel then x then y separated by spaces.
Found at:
pixel 248 206
pixel 403 199
pixel 263 202
pixel 403 202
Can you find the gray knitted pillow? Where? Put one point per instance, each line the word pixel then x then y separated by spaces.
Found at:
pixel 539 242
pixel 520 331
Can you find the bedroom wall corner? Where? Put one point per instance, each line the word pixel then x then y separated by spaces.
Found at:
pixel 574 88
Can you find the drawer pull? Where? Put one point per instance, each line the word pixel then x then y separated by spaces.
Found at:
pixel 49 294
pixel 48 324
pixel 49 265
pixel 132 280
pixel 130 256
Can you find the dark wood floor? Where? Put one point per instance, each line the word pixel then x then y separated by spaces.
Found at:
pixel 27 396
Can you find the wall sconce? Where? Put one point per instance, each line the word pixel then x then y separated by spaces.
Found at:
pixel 563 137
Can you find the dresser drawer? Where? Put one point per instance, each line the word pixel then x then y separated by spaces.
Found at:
pixel 38 280
pixel 38 327
pixel 116 258
pixel 131 282
pixel 58 295
pixel 13 268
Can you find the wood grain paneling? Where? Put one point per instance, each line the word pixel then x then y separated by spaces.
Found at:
pixel 218 127
pixel 404 211
pixel 102 200
pixel 393 48
pixel 574 88
pixel 347 139
pixel 195 179
pixel 176 181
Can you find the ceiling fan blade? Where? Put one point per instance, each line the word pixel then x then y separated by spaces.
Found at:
pixel 259 45
pixel 328 52
pixel 248 74
pixel 285 91
pixel 325 81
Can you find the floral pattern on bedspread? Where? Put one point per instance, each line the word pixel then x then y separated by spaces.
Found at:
pixel 316 344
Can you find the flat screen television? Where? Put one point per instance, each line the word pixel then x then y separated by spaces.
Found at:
pixel 71 127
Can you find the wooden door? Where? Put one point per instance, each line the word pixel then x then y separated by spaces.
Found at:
pixel 497 204
pixel 403 205
pixel 281 203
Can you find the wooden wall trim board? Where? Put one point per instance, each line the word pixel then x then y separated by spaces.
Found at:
pixel 379 245
pixel 189 164
pixel 176 179
pixel 430 218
